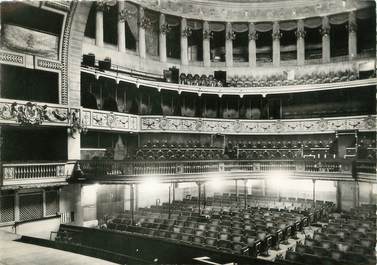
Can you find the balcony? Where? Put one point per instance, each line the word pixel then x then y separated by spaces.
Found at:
pixel 33 173
pixel 239 91
pixel 135 171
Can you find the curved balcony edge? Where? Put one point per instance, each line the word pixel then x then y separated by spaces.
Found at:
pixel 220 91
pixel 29 113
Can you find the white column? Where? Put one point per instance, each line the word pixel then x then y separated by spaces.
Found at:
pixel 253 36
pixel 229 44
pixel 206 45
pixel 300 34
pixel 184 42
pixel 325 40
pixel 162 38
pixel 276 44
pixel 352 36
pixel 16 206
pixel 99 23
pixel 73 145
pixel 121 26
pixel 142 25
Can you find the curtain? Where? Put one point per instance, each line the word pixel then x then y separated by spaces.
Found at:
pixel 132 19
pixel 313 22
pixel 365 13
pixel 263 26
pixel 151 33
pixel 216 26
pixel 338 19
pixel 194 24
pixel 288 25
pixel 240 27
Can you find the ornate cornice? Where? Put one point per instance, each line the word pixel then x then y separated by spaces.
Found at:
pixel 251 11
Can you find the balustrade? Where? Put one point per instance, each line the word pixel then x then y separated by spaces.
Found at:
pixel 100 168
pixel 33 171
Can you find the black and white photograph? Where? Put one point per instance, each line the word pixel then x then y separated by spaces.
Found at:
pixel 220 132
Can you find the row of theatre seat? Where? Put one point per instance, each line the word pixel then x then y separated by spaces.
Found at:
pixel 196 80
pixel 282 79
pixel 346 239
pixel 247 231
pixel 255 150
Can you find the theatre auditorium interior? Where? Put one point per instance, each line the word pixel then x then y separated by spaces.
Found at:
pixel 188 132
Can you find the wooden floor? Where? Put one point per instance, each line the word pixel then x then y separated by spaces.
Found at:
pixel 17 253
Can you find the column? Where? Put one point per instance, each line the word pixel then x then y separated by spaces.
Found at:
pixel 325 31
pixel 236 188
pixel 338 195
pixel 99 23
pixel 16 206
pixel 300 34
pixel 314 198
pixel 73 144
pixel 184 42
pixel 121 26
pixel 253 36
pixel 356 200
pixel 169 209
pixel 229 37
pixel 162 38
pixel 352 35
pixel 206 45
pixel 199 194
pixel 264 187
pixel 132 203
pixel 276 44
pixel 142 25
pixel 245 192
pixel 44 202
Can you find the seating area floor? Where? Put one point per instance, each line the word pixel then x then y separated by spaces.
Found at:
pixel 17 253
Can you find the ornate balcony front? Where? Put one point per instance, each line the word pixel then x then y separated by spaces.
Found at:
pixel 109 171
pixel 264 90
pixel 250 127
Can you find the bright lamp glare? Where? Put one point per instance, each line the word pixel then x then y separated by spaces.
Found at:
pixel 278 178
pixel 216 183
pixel 150 184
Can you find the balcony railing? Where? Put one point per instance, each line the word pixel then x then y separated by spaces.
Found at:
pixel 103 168
pixel 28 173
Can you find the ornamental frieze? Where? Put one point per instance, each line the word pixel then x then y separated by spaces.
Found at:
pixel 30 113
pixel 204 125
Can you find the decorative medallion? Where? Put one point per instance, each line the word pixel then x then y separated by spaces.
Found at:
pixel 164 123
pixel 199 125
pixel 370 122
pixel 322 124
pixel 237 126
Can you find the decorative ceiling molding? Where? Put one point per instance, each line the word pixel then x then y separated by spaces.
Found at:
pixel 251 11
